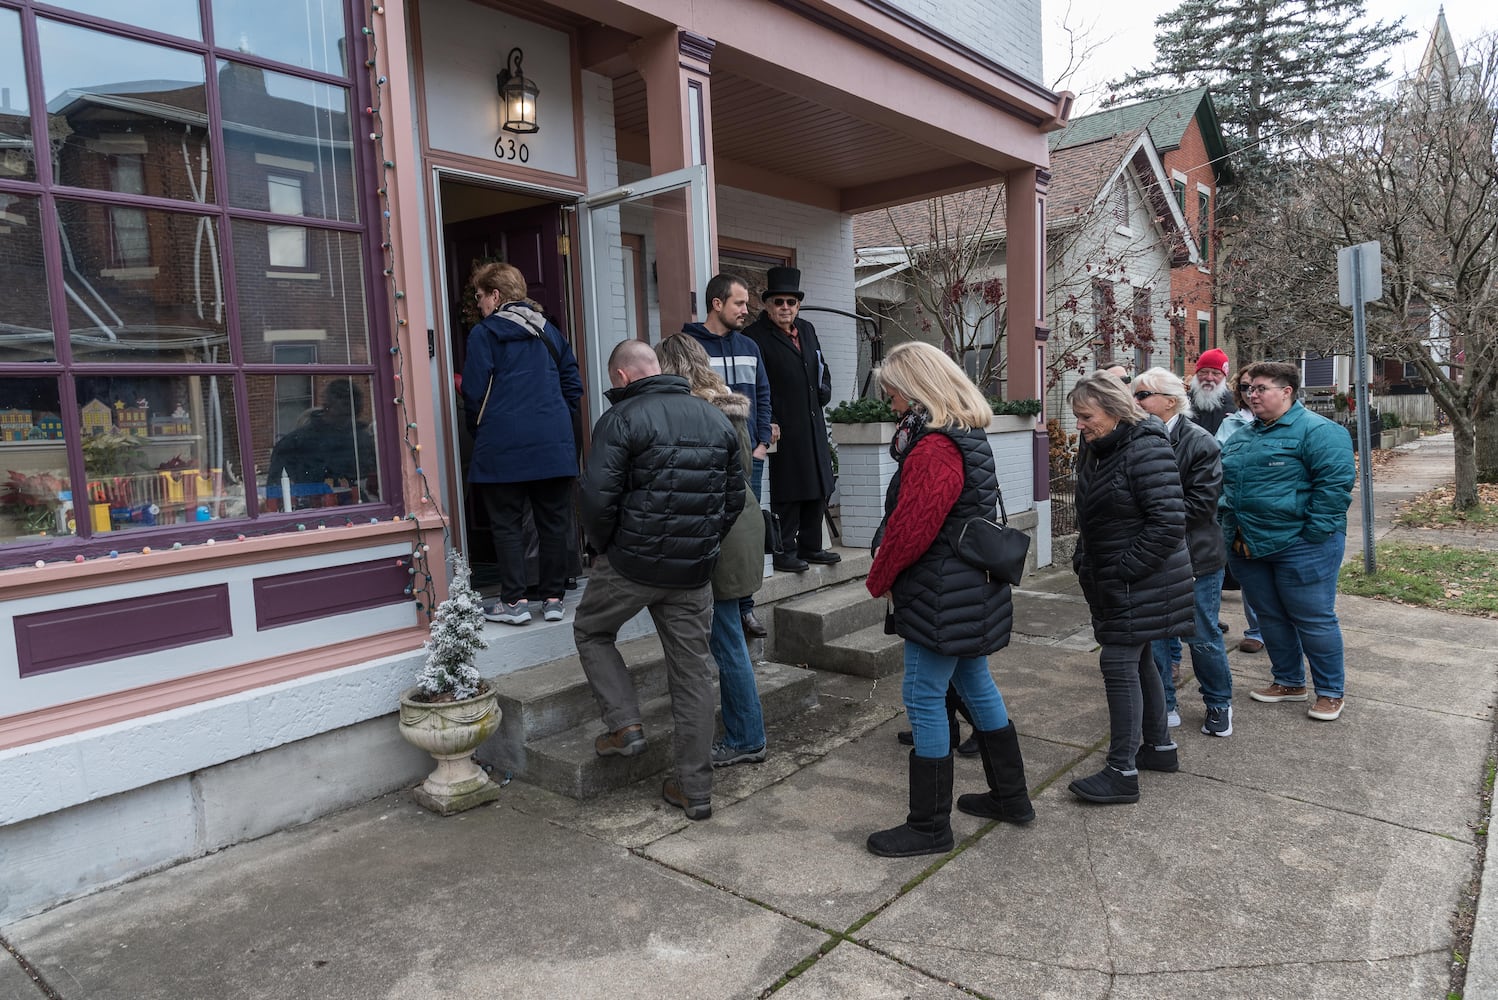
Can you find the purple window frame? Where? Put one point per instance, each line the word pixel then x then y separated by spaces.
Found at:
pixel 47 192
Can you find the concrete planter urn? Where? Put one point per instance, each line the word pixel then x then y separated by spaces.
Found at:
pixel 450 731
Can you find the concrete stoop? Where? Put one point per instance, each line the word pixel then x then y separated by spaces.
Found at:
pixel 551 718
pixel 841 629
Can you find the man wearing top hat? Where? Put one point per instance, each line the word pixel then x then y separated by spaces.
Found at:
pixel 800 387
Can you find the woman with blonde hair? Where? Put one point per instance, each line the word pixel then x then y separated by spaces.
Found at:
pixel 950 613
pixel 740 568
pixel 1135 571
pixel 522 387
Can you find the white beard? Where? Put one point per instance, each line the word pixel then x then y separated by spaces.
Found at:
pixel 1205 400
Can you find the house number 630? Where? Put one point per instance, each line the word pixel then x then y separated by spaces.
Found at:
pixel 506 148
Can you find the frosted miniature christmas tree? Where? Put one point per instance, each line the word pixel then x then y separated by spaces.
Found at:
pixel 457 636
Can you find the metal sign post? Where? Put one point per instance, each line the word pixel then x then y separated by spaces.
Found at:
pixel 1360 279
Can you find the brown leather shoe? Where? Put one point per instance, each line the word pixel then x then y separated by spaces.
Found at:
pixel 1247 645
pixel 626 742
pixel 1278 692
pixel 753 627
pixel 1326 709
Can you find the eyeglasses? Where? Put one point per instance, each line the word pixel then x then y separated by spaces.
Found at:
pixel 1144 394
pixel 786 301
pixel 1254 390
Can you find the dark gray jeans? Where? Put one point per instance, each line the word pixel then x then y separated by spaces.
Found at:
pixel 683 619
pixel 1136 702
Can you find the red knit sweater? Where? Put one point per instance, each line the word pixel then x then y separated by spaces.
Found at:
pixel 930 483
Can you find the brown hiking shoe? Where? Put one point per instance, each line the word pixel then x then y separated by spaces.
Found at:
pixel 1326 709
pixel 1278 692
pixel 695 808
pixel 626 742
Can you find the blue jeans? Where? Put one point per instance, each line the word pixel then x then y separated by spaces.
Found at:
pixel 1209 656
pixel 743 722
pixel 1252 617
pixel 927 674
pixel 1294 591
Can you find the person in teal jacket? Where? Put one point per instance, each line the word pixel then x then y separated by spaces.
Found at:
pixel 1287 484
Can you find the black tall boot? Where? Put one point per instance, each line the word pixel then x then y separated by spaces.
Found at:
pixel 928 828
pixel 1007 798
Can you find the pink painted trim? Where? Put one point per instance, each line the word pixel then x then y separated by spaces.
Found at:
pixel 78 716
pixel 130 567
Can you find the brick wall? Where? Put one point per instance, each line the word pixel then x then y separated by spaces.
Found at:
pixel 1193 283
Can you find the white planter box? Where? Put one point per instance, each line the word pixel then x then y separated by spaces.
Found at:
pixel 864 469
pixel 1012 440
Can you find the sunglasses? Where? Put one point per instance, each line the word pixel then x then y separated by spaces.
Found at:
pixel 1144 394
pixel 1254 390
pixel 785 301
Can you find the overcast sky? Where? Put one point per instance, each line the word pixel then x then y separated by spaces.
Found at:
pixel 1127 34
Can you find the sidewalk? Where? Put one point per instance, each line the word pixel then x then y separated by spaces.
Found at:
pixel 1295 859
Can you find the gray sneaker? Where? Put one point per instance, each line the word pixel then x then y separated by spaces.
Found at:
pixel 726 756
pixel 518 613
pixel 552 609
pixel 1219 721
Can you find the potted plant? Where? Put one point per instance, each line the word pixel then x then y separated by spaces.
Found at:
pixel 452 710
pixel 861 431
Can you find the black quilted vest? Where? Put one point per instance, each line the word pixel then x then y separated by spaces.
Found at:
pixel 941 602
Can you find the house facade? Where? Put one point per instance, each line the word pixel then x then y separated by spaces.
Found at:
pixel 238 238
pixel 1184 130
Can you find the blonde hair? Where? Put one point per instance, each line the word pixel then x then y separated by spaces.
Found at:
pixel 1101 391
pixel 680 354
pixel 505 279
pixel 923 374
pixel 1166 383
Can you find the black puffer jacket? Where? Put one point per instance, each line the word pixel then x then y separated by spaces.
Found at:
pixel 662 484
pixel 1199 461
pixel 1131 553
pixel 940 601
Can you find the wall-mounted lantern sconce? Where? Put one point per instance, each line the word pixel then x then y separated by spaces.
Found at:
pixel 517 96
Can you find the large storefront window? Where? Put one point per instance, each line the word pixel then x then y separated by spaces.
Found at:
pixel 186 335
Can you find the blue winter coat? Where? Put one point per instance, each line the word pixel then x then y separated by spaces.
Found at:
pixel 523 398
pixel 737 361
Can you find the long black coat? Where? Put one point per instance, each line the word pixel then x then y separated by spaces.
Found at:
pixel 800 387
pixel 1131 556
pixel 1199 461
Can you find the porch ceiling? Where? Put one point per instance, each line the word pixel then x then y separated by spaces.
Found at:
pixel 775 133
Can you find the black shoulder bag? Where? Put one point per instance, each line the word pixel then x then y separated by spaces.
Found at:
pixel 995 548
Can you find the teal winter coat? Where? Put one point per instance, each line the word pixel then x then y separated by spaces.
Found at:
pixel 1284 481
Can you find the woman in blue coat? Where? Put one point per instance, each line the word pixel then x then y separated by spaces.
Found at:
pixel 520 379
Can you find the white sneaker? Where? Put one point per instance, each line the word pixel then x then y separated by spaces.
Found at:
pixel 1173 719
pixel 552 610
pixel 518 613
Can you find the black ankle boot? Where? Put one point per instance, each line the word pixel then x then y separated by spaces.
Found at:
pixel 1006 798
pixel 1149 758
pixel 928 829
pixel 1109 787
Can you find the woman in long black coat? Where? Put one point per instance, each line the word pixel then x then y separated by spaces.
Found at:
pixel 1135 572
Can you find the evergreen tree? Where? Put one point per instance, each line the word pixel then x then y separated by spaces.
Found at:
pixel 1273 65
pixel 457 636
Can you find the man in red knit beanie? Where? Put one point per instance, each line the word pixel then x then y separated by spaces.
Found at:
pixel 1211 396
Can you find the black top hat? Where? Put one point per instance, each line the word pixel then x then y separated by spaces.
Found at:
pixel 783 281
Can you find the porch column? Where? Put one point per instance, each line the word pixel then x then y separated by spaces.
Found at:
pixel 674 65
pixel 1027 332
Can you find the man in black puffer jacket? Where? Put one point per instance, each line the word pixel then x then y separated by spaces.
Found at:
pixel 661 489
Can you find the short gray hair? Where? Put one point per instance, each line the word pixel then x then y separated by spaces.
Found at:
pixel 1101 391
pixel 1166 383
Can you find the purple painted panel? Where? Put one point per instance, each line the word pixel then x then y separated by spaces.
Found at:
pixel 56 640
pixel 320 593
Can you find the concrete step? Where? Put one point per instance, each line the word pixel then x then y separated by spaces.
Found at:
pixel 553 697
pixel 868 652
pixel 803 625
pixel 565 762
